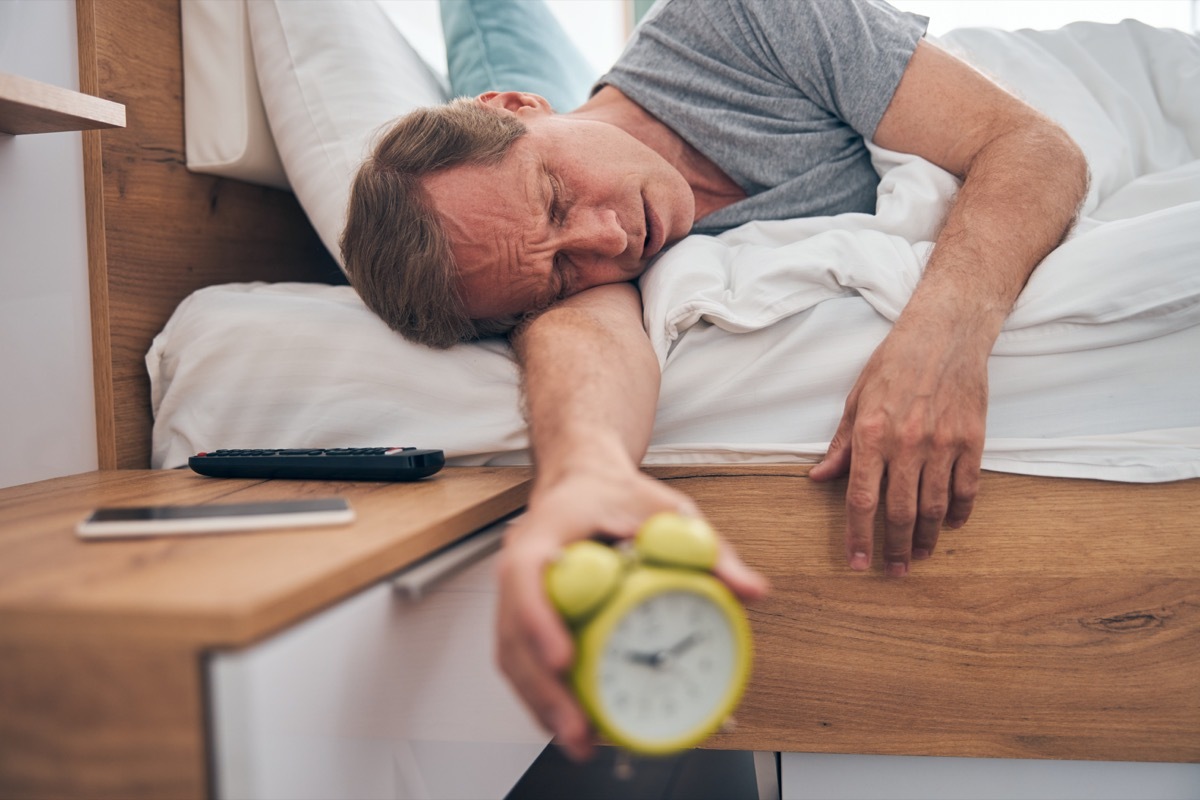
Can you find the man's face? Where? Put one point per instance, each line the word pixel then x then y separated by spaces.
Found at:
pixel 574 204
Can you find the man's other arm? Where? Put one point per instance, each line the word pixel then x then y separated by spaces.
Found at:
pixel 912 433
pixel 591 391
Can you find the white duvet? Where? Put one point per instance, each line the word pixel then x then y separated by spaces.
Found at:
pixel 761 331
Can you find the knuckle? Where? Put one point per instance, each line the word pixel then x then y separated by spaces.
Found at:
pixel 871 431
pixel 975 430
pixel 965 494
pixel 942 441
pixel 913 435
pixel 934 511
pixel 860 537
pixel 926 542
pixel 902 517
pixel 861 501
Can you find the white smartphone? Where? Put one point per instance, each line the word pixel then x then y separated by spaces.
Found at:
pixel 108 523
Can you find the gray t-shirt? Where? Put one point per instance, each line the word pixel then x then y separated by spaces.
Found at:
pixel 779 94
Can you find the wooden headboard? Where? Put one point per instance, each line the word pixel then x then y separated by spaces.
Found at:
pixel 157 232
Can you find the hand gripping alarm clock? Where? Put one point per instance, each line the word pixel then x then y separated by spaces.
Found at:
pixel 663 647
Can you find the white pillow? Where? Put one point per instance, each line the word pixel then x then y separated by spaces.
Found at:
pixel 332 74
pixel 225 124
pixel 308 365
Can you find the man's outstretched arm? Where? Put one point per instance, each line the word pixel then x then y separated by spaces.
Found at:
pixel 591 390
pixel 911 437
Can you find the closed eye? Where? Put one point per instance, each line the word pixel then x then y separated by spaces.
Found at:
pixel 557 209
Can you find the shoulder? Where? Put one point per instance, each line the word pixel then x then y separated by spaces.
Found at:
pixel 822 18
pixel 779 30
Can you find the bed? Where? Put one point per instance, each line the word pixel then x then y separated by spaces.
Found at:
pixel 220 319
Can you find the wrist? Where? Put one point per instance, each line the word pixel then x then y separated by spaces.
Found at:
pixel 596 453
pixel 966 321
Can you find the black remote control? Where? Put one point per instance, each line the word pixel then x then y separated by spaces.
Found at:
pixel 320 464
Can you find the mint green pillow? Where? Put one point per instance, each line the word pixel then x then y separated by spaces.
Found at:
pixel 513 45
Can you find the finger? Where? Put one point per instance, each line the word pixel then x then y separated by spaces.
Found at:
pixel 900 517
pixel 964 488
pixel 837 458
pixel 743 581
pixel 547 697
pixel 932 504
pixel 525 608
pixel 533 649
pixel 638 503
pixel 862 500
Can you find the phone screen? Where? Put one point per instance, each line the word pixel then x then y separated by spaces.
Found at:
pixel 183 519
pixel 221 510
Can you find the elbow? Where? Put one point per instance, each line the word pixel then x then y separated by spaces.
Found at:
pixel 1076 167
pixel 1068 162
pixel 1055 162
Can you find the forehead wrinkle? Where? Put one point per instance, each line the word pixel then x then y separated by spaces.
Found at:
pixel 501 236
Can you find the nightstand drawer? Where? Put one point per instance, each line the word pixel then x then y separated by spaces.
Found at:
pixel 381 696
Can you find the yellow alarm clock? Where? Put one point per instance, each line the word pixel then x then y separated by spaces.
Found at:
pixel 663 647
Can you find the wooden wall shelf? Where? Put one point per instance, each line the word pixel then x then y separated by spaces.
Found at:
pixel 29 106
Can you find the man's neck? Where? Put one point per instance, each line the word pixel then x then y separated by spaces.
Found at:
pixel 711 186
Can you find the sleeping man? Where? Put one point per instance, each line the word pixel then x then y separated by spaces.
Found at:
pixel 495 214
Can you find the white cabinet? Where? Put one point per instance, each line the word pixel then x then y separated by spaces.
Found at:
pixel 815 776
pixel 381 696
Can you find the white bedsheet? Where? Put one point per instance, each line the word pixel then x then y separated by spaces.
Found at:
pixel 762 331
pixel 1095 373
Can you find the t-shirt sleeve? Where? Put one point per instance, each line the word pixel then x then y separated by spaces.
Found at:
pixel 846 55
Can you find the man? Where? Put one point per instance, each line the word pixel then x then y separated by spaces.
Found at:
pixel 718 112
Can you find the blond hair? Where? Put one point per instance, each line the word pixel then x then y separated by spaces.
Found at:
pixel 396 251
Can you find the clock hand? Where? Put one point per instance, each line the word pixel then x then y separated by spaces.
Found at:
pixel 660 658
pixel 653 660
pixel 684 644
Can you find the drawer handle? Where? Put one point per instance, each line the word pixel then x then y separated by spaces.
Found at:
pixel 415 582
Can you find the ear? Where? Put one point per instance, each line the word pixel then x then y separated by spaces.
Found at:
pixel 516 102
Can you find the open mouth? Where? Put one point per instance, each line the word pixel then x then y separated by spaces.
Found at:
pixel 654 233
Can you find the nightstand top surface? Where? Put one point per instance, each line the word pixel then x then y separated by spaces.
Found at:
pixel 219 589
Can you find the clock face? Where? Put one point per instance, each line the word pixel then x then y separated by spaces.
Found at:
pixel 667 666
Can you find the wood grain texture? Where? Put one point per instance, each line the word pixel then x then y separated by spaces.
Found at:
pixel 157 232
pixel 29 106
pixel 101 720
pixel 1062 622
pixel 218 590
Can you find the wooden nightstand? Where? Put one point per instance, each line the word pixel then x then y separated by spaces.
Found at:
pixel 122 662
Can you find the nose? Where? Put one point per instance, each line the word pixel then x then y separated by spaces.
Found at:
pixel 595 232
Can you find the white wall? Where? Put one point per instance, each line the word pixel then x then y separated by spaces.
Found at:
pixel 47 420
pixel 946 15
